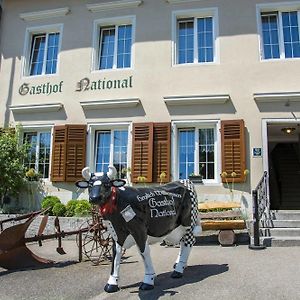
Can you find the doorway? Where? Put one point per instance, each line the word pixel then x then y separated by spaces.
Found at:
pixel 283 144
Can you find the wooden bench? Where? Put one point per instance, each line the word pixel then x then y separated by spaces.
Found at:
pixel 223 216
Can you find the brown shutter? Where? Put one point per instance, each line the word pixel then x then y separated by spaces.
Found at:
pixel 76 142
pixel 142 151
pixel 233 149
pixel 161 151
pixel 58 170
pixel 68 152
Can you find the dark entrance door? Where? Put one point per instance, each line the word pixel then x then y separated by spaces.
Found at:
pixel 284 175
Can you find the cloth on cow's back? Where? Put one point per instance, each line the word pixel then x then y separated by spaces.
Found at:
pixel 161 208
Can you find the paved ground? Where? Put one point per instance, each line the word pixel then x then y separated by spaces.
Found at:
pixel 214 272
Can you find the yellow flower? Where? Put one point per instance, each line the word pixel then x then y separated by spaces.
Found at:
pixel 141 178
pixel 233 174
pixel 224 174
pixel 30 173
pixel 246 172
pixel 162 175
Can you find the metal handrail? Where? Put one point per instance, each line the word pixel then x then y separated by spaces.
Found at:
pixel 261 209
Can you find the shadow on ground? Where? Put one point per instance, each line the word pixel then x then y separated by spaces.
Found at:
pixel 165 285
pixel 54 265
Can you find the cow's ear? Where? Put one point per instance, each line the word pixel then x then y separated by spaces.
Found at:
pixel 83 184
pixel 118 182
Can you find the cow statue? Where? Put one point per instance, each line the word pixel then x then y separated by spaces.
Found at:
pixel 143 216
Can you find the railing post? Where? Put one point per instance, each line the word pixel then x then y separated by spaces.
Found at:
pixel 256 238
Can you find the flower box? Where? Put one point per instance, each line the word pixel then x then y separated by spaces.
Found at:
pixel 196 178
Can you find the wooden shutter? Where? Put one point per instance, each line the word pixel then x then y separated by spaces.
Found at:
pixel 68 153
pixel 161 151
pixel 233 150
pixel 142 151
pixel 58 170
pixel 76 142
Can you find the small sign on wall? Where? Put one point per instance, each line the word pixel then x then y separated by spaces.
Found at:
pixel 257 152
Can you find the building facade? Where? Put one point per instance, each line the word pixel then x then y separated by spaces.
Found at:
pixel 162 89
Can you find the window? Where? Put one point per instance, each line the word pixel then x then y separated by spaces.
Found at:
pixel 111 148
pixel 114 43
pixel 42 51
pixel 280 33
pixel 195 37
pixel 38 156
pixel 197 152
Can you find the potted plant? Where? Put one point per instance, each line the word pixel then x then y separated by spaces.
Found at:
pixel 196 178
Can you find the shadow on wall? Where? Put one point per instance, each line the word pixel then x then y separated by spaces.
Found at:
pixel 206 109
pixel 115 113
pixel 42 116
pixel 278 107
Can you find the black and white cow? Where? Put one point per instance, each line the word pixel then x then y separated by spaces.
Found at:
pixel 142 216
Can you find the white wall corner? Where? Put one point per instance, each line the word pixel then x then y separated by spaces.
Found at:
pixel 121 4
pixel 43 14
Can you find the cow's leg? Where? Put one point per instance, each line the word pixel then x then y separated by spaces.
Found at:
pixel 112 284
pixel 148 282
pixel 181 261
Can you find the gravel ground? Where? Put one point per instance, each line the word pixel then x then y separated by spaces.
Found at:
pixel 214 272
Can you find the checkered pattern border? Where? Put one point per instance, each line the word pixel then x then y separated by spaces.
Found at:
pixel 189 238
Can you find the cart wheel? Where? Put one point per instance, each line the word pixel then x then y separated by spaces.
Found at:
pixel 97 244
pixel 86 224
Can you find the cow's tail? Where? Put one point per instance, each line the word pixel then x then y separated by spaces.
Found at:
pixel 195 229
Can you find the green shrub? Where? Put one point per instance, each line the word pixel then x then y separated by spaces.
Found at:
pixel 50 201
pixel 70 208
pixel 59 210
pixel 83 208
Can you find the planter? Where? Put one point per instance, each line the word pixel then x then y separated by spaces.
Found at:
pixel 196 178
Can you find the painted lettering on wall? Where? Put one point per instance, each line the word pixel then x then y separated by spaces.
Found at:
pixel 86 84
pixel 44 89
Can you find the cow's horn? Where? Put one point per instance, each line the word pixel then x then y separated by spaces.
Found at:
pixel 112 172
pixel 86 173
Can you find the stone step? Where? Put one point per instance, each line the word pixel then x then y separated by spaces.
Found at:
pixel 286 223
pixel 280 232
pixel 280 241
pixel 286 215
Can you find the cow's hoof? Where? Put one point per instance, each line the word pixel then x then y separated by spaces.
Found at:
pixel 176 274
pixel 111 288
pixel 146 287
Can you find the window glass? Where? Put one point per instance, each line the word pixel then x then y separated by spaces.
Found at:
pixel 203 161
pixel 115 47
pixel 52 52
pixel 103 151
pixel 206 153
pixel 43 54
pixel 124 46
pixel 120 151
pixel 291 34
pixel 111 148
pixel 186 41
pixel 270 36
pixel 44 154
pixel 38 156
pixel 199 30
pixel 107 48
pixel 205 39
pixel 186 152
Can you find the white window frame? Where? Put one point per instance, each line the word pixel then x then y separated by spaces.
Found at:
pixel 279 7
pixel 39 129
pixel 91 141
pixel 195 13
pixel 26 61
pixel 116 21
pixel 197 124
